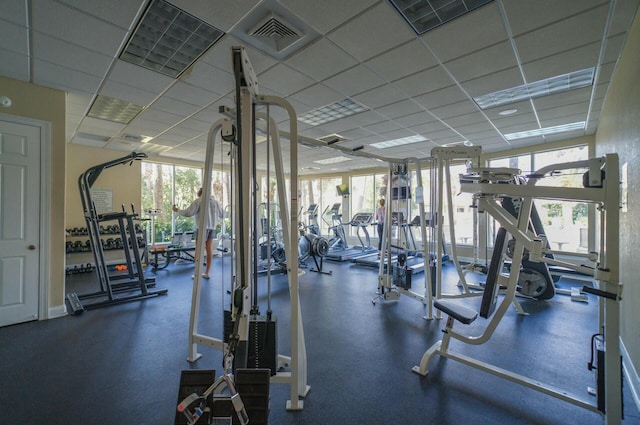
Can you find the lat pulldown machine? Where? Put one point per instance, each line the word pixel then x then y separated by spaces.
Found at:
pixel 132 285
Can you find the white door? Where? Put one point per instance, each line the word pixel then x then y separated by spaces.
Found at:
pixel 19 222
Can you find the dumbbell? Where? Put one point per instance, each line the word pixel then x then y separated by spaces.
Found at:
pixel 69 246
pixel 117 243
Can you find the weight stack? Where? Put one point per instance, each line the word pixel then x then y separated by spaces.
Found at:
pixel 401 277
pixel 262 343
pixel 253 387
pixel 194 381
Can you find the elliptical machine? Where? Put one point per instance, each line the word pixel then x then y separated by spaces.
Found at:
pixel 311 243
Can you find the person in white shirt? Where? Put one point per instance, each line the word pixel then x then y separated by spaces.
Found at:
pixel 380 212
pixel 214 211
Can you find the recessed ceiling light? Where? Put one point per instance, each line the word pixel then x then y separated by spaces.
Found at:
pixel 332 112
pixel 168 39
pixel 464 142
pixel 398 142
pixel 425 15
pixel 507 112
pixel 547 130
pixel 333 160
pixel 553 85
pixel 111 109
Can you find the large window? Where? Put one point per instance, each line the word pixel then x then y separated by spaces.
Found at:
pixel 164 185
pixel 323 193
pixel 565 223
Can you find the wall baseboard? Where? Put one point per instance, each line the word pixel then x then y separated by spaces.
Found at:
pixel 631 374
pixel 57 311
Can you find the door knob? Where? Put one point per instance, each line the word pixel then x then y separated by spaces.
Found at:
pixel 31 247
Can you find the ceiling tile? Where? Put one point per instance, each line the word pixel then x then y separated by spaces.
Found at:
pixel 127 92
pixel 14 38
pixel 413 120
pixel 613 48
pixel 384 127
pixel 224 15
pixel 504 124
pixel 69 55
pixel 465 120
pixel 404 60
pixel 15 12
pixel 562 36
pixel 380 96
pixel 424 81
pixel 100 127
pixel 175 106
pixel 527 16
pixel 466 34
pixel 362 37
pixel 71 25
pixel 455 109
pixel 284 80
pixel 356 80
pixel 327 14
pixel 400 109
pixel 562 63
pixel 321 60
pixel 14 65
pixel 570 97
pixel 187 93
pixel 136 76
pixel 495 81
pixel 523 107
pixel 121 13
pixel 623 14
pixel 482 62
pixel 429 127
pixel 437 98
pixel 317 95
pixel 210 78
pixel 61 78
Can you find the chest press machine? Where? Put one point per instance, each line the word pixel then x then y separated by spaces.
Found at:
pixel 601 187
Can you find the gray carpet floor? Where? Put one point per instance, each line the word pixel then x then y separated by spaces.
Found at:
pixel 122 364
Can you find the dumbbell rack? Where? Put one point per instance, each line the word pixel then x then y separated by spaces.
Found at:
pixel 78 247
pixel 133 285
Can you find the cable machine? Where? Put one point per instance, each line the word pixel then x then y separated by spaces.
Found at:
pixel 239 132
pixel 124 287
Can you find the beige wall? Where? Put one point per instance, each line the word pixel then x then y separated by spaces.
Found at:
pixel 619 131
pixel 44 104
pixel 123 180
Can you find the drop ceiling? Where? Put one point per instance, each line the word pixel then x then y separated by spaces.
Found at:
pixel 363 50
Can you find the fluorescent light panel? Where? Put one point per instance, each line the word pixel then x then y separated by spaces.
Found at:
pixel 168 39
pixel 547 130
pixel 332 112
pixel 425 15
pixel 111 109
pixel 398 142
pixel 334 160
pixel 553 85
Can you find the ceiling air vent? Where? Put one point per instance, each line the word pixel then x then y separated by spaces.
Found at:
pixel 275 31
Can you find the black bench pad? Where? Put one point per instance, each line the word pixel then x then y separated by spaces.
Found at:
pixel 459 312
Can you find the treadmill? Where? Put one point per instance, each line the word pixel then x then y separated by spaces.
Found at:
pixel 372 260
pixel 360 221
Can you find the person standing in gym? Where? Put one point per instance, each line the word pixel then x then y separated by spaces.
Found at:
pixel 214 211
pixel 380 211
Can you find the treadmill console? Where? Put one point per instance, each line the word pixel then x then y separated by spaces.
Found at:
pixel 361 219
